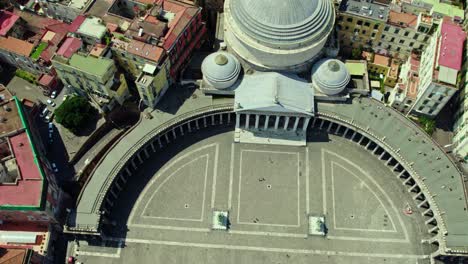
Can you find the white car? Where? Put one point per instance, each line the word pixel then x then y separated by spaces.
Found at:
pixel 50 102
pixel 54 167
pixel 53 94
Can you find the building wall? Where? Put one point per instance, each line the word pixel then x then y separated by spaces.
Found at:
pixel 355 31
pixel 22 62
pixel 151 94
pixel 191 38
pixel 84 81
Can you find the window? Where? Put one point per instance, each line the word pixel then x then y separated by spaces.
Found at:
pixel 392 39
pixel 346 28
pixel 340 18
pixel 402 41
pixel 356 30
pixel 389 46
pixel 397 31
pixel 383 36
pixel 359 22
pixel 426 38
pixel 349 19
pixel 406 33
pixel 363 32
pixel 426 101
pixel 415 36
pixel 398 49
pixel 373 35
pixel 376 26
pixel 380 43
pixel 431 95
pixel 367 24
pixel 387 28
pixel 411 44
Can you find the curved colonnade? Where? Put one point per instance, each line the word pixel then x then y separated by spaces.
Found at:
pixel 223 114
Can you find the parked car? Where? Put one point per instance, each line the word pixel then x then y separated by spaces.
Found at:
pixel 53 95
pixel 54 167
pixel 51 127
pixel 50 102
pixel 44 112
pixel 49 118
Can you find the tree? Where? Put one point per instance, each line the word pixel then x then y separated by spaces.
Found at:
pixel 74 113
pixel 428 125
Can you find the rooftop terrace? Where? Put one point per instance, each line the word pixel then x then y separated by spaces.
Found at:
pixel 366 9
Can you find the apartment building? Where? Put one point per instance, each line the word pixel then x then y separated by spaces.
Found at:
pixel 66 10
pixel 361 23
pixel 93 76
pixel 460 128
pixel 405 92
pixel 435 8
pixel 405 32
pixel 154 44
pixel 31 201
pixel 440 69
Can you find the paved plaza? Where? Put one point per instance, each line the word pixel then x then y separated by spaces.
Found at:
pixel 164 215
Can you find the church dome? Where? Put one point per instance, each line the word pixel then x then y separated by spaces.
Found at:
pixel 278 34
pixel 330 76
pixel 220 70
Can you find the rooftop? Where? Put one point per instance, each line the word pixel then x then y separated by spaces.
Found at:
pixel 92 26
pixel 451 45
pixel 356 68
pixel 17 46
pixel 15 255
pixel 69 47
pixel 91 65
pixel 444 8
pixel 382 60
pixel 402 19
pixel 147 51
pixel 77 23
pixel 27 191
pixel 7 21
pixel 366 9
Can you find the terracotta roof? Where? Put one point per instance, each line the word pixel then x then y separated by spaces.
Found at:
pixel 77 23
pixel 69 47
pixel 403 19
pixel 17 46
pixel 7 21
pixel 13 256
pixel 451 45
pixel 144 50
pixel 381 60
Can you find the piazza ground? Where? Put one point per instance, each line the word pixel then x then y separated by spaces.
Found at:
pixel 164 214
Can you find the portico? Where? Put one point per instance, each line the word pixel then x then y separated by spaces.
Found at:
pixel 273 108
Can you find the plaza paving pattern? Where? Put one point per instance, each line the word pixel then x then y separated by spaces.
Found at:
pixel 164 213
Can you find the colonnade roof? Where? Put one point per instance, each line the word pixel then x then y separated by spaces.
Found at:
pixel 424 157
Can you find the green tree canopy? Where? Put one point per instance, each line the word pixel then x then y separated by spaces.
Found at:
pixel 74 113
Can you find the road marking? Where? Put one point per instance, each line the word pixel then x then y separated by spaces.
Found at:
pixel 269 249
pixel 375 195
pixel 307 181
pixel 177 228
pixel 381 191
pixel 240 189
pixel 231 176
pixel 100 254
pixel 215 174
pixel 324 184
pixel 386 240
pixel 259 233
pixel 151 183
pixel 168 178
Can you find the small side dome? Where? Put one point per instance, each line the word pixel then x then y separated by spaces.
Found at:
pixel 220 70
pixel 330 76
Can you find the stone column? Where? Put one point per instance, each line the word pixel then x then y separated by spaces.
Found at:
pixel 296 123
pixel 286 123
pixel 267 119
pixel 306 122
pixel 257 119
pixel 247 119
pixel 277 122
pixel 237 120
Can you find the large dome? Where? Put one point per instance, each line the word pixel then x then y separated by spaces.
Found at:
pixel 278 34
pixel 330 76
pixel 220 70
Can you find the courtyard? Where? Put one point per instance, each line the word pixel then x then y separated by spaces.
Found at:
pixel 165 214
